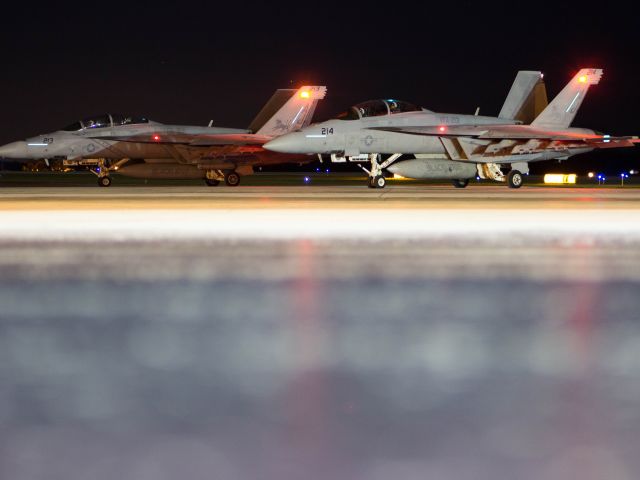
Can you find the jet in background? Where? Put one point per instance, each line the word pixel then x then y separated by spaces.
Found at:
pixel 138 147
pixel 459 147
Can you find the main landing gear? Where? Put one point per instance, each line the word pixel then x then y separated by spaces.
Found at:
pixel 232 179
pixel 214 177
pixel 515 179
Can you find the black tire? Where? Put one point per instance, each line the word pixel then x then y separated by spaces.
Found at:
pixel 515 179
pixel 104 181
pixel 379 182
pixel 460 182
pixel 212 182
pixel 232 179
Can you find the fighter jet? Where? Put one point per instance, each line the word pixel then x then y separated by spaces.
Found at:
pixel 454 146
pixel 138 147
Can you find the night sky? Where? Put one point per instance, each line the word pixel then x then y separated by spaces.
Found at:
pixel 192 62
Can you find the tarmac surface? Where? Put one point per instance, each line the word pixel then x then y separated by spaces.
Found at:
pixel 319 332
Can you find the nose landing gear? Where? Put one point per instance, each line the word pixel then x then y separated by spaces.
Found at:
pixel 104 181
pixel 377 182
pixel 376 178
pixel 102 171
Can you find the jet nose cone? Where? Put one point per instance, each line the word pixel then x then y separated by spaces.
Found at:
pixel 14 150
pixel 289 143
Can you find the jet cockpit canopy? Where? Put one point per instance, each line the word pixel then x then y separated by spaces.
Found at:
pixel 376 108
pixel 106 120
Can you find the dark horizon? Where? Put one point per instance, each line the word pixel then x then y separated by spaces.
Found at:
pixel 203 62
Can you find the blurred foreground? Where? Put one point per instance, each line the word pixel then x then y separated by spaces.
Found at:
pixel 319 359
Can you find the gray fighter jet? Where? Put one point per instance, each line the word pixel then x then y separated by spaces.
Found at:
pixel 138 147
pixel 458 147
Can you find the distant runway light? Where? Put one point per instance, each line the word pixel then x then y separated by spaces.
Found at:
pixel 307 179
pixel 590 174
pixel 560 178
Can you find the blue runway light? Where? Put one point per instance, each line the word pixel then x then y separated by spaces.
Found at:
pixel 318 169
pixel 307 179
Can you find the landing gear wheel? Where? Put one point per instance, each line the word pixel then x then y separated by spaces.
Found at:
pixel 460 182
pixel 212 182
pixel 232 179
pixel 104 181
pixel 514 179
pixel 377 182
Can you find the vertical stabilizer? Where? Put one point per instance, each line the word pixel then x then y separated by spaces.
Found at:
pixel 526 99
pixel 562 110
pixel 296 112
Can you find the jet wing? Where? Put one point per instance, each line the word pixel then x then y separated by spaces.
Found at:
pixel 164 137
pixel 193 139
pixel 613 142
pixel 229 139
pixel 510 132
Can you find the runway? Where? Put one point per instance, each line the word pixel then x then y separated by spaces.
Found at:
pixel 487 213
pixel 347 196
pixel 319 332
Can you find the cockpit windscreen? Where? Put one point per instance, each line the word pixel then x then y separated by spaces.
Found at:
pixel 106 120
pixel 376 108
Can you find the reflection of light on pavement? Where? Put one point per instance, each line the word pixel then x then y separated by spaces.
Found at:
pixel 578 414
pixel 306 401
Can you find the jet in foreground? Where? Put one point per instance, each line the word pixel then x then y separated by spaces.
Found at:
pixel 138 147
pixel 458 147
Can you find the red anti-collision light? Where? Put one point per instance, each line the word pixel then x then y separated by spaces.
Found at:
pixel 156 138
pixel 442 129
